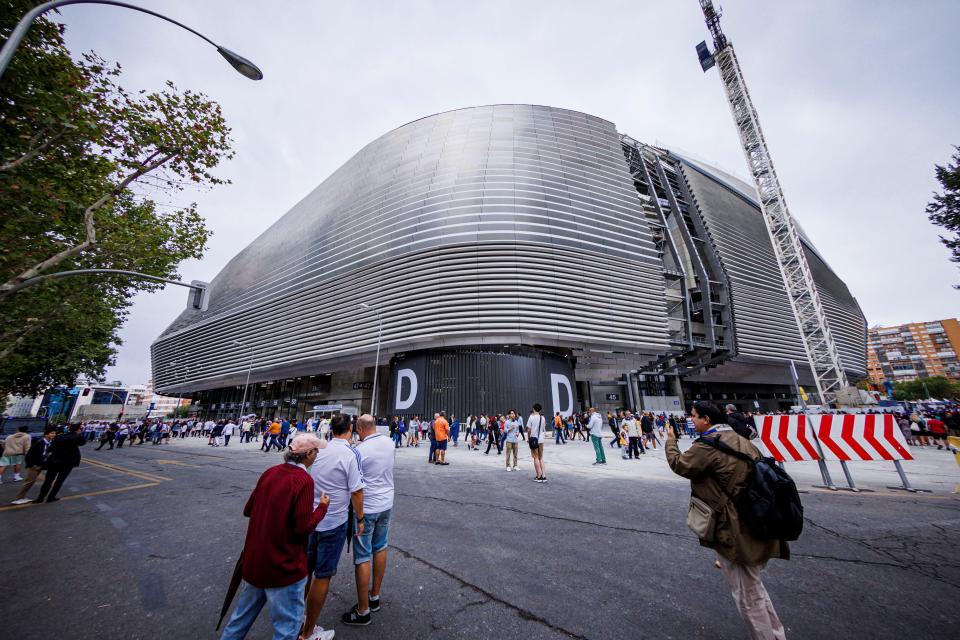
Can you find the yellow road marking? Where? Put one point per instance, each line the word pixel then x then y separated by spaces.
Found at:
pixel 178 463
pixel 87 495
pixel 130 472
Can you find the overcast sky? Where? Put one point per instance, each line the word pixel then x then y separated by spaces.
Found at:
pixel 858 101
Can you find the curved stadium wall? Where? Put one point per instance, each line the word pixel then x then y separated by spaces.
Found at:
pixel 491 225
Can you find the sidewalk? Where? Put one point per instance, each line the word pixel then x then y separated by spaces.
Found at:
pixel 931 469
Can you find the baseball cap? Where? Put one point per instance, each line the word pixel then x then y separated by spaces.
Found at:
pixel 305 442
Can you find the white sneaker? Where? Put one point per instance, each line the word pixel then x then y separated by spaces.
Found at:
pixel 17 478
pixel 319 633
pixel 22 501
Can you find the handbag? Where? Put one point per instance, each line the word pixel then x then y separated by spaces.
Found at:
pixel 701 519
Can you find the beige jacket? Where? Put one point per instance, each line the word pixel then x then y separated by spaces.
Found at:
pixel 17 444
pixel 706 467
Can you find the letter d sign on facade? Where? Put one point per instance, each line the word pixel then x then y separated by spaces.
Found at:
pixel 563 404
pixel 406 394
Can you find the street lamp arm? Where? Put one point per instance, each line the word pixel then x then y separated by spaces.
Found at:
pixel 238 62
pixel 80 272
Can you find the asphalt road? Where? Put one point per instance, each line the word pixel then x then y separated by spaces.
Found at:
pixel 144 549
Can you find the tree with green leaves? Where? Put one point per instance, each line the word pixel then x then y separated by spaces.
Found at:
pixel 944 209
pixel 936 387
pixel 88 171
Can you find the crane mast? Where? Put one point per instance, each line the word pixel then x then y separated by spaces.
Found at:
pixel 801 288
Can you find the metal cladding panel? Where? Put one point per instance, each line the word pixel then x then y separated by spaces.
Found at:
pixel 763 319
pixel 463 382
pixel 461 227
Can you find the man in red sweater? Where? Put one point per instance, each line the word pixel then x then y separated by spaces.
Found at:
pixel 274 560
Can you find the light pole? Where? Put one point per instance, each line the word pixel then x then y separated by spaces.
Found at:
pixel 243 401
pixel 238 62
pixel 183 379
pixel 376 366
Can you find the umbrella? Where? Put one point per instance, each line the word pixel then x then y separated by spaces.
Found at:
pixel 231 590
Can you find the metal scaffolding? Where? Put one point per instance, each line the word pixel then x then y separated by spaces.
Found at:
pixel 797 278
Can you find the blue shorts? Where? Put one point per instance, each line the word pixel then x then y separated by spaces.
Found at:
pixel 441 445
pixel 374 538
pixel 324 549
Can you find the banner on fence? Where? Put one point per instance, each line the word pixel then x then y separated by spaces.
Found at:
pixel 787 438
pixel 861 437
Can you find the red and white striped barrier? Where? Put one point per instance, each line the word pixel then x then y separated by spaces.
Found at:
pixel 860 437
pixel 787 438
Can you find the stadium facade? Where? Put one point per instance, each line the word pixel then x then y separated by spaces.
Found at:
pixel 515 253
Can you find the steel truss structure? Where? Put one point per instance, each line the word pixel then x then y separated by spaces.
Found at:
pixel 798 279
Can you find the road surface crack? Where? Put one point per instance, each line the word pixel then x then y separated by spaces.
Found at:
pixel 526 614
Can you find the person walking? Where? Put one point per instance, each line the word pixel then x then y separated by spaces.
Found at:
pixel 413 439
pixel 632 429
pixel 122 434
pixel 34 463
pixel 511 428
pixel 454 429
pixel 559 435
pixel 370 547
pixel 441 435
pixel 493 435
pixel 15 449
pixel 714 477
pixel 107 437
pixel 63 456
pixel 612 423
pixel 646 426
pixel 537 430
pixel 578 428
pixel 228 430
pixel 273 562
pixel 595 428
pixel 273 440
pixel 216 434
pixel 336 473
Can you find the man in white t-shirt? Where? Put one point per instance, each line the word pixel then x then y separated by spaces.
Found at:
pixel 228 430
pixel 536 432
pixel 335 473
pixel 595 427
pixel 370 548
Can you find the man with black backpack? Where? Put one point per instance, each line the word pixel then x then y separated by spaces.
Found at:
pixel 723 466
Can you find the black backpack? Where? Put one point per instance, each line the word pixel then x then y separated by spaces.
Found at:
pixel 769 505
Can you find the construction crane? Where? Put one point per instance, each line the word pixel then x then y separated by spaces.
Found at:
pixel 798 280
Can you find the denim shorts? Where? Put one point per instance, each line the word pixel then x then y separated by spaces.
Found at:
pixel 324 549
pixel 374 538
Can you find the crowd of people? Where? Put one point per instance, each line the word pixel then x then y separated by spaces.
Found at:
pixel 335 488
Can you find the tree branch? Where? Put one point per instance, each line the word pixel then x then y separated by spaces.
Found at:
pixel 88 223
pixel 29 155
pixel 10 348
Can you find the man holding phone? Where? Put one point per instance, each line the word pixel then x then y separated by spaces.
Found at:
pixel 273 563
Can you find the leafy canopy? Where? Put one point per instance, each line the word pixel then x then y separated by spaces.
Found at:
pixel 937 387
pixel 88 171
pixel 944 209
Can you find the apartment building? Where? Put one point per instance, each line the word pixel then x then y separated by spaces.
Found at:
pixel 914 350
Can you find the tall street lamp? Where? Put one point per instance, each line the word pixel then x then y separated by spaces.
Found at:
pixel 376 366
pixel 238 62
pixel 243 401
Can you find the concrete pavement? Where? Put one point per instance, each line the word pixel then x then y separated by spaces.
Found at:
pixel 145 545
